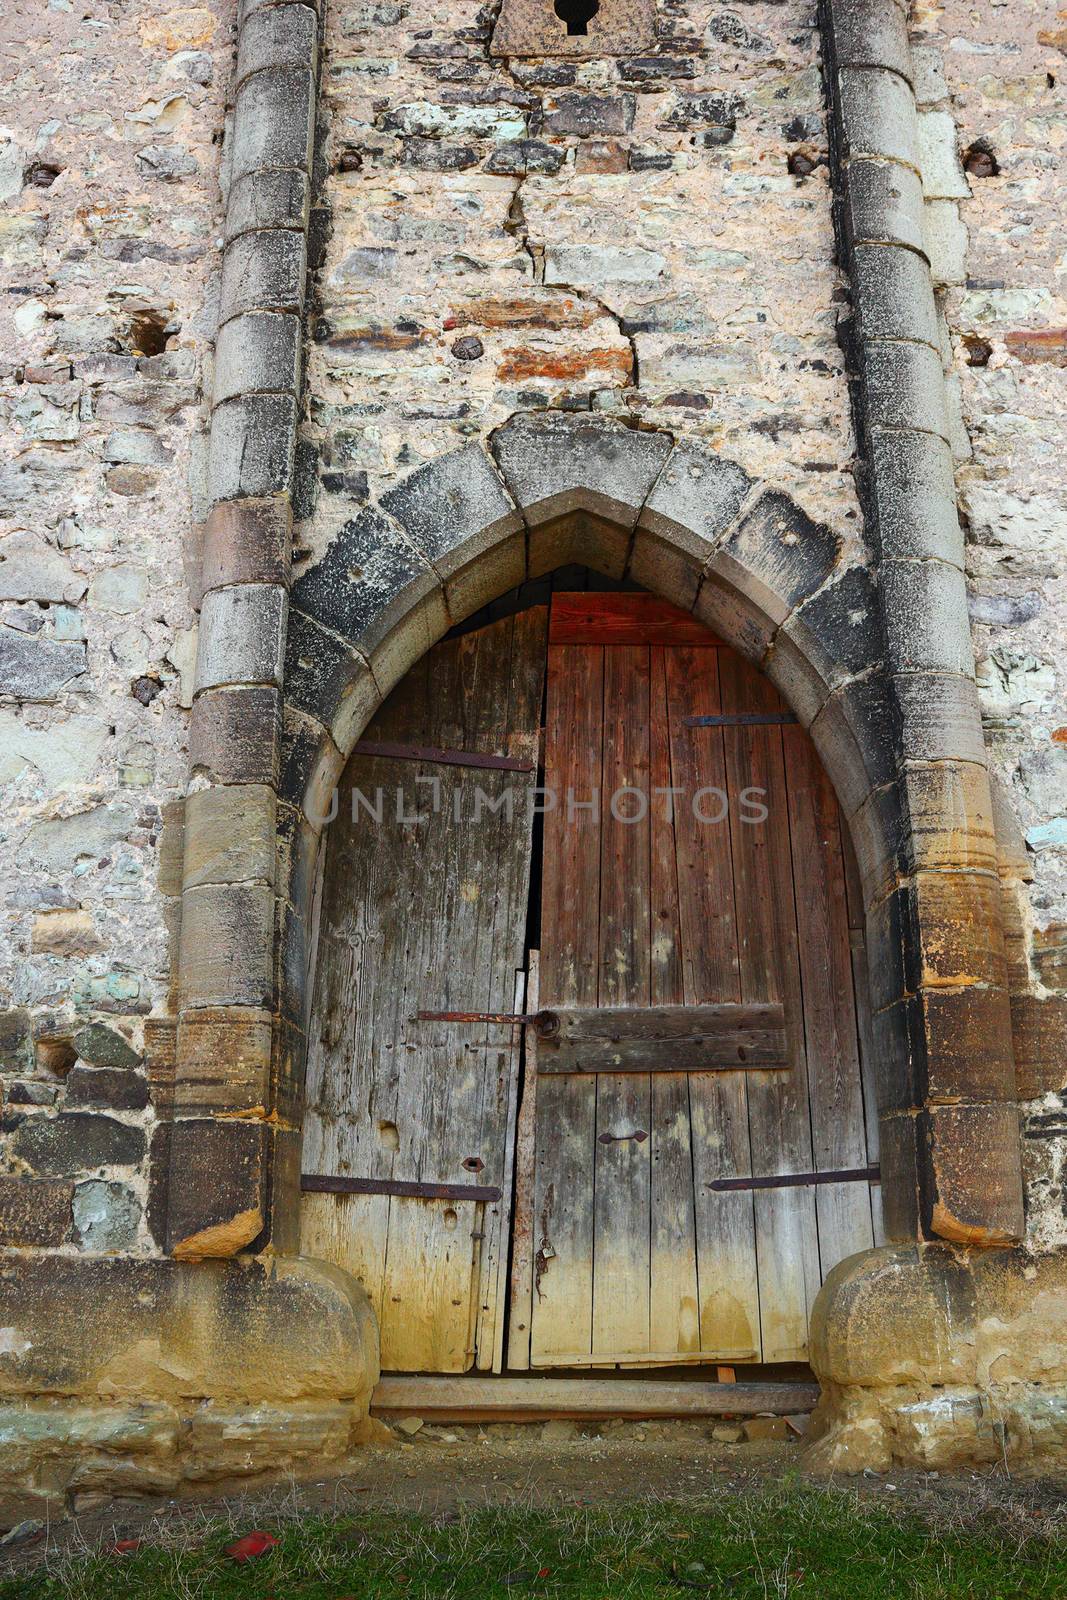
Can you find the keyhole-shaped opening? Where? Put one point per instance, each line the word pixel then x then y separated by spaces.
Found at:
pixel 577 14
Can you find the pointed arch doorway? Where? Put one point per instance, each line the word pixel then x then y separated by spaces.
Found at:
pixel 596 813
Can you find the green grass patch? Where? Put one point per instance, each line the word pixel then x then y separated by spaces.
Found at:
pixel 788 1540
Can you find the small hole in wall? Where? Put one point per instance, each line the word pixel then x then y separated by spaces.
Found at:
pixel 148 332
pixel 388 1135
pixel 979 160
pixel 576 14
pixel 978 350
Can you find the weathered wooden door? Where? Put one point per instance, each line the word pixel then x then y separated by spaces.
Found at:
pixel 424 903
pixel 693 857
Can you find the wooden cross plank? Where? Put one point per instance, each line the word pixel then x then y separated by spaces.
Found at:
pixel 718 1038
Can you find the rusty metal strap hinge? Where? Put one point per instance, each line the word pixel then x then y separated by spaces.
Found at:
pixel 799 1180
pixel 741 719
pixel 319 1183
pixel 444 758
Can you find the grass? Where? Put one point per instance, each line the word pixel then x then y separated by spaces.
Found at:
pixel 786 1540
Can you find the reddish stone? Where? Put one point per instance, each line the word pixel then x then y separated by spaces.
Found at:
pixel 569 365
pixel 1039 344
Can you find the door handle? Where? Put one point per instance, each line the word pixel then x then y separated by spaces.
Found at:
pixel 638 1136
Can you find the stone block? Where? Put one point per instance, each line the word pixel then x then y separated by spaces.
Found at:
pixel 618 27
pixel 772 559
pixel 856 735
pixel 892 294
pixel 106 1216
pixel 454 510
pixel 877 116
pixel 589 267
pixel 831 637
pixel 234 735
pixel 278 36
pixel 263 270
pixel 216 1197
pixel 223 1061
pixel 75 1141
pixel 371 575
pixel 590 114
pixel 269 199
pixel 230 835
pixel 869 33
pixel 247 541
pixel 226 945
pixel 160 1040
pixel 65 934
pixel 942 173
pixel 35 1212
pixel 951 815
pixel 883 204
pixel 228 1441
pixel 914 492
pixel 945 242
pixel 171 849
pixel 927 625
pixel 242 636
pixel 692 503
pixel 940 718
pixel 253 443
pixel 256 1330
pixel 1039 1037
pixel 62 841
pixel 311 768
pixel 976 1196
pixel 556 465
pixel 898 1157
pixel 16 1040
pixel 322 672
pixel 257 352
pixel 486 577
pixel 32 668
pixel 112 1087
pixel 273 120
pixel 879 831
pixel 904 387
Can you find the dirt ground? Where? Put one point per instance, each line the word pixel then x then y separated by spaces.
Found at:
pixel 443 1470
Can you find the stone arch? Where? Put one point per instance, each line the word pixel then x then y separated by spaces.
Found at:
pixel 792 597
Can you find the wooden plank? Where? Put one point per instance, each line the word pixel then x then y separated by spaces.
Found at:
pixel 728 1293
pixel 839 1139
pixel 625 619
pixel 857 925
pixel 674 1291
pixel 570 915
pixel 493 1291
pixel 483 1399
pixel 663 1039
pixel 407 1102
pixel 522 1230
pixel 621 1187
pixel 778 1110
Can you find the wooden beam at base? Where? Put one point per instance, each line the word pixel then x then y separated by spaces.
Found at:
pixel 453 1399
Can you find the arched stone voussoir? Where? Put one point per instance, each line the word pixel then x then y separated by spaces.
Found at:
pixel 311 767
pixel 831 637
pixel 580 483
pixel 772 559
pixel 458 515
pixel 692 503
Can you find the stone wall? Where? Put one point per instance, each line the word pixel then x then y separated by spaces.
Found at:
pixel 991 86
pixel 109 215
pixel 645 236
